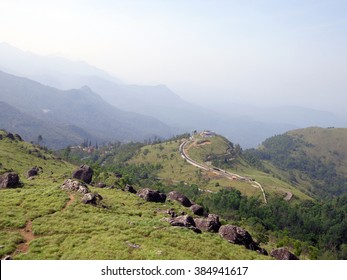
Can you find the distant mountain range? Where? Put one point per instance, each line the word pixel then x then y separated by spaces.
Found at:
pixel 137 111
pixel 54 135
pixel 42 110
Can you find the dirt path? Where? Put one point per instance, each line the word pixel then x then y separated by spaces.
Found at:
pixel 28 236
pixel 27 232
pixel 72 199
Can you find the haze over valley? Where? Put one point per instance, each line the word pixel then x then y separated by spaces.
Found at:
pixel 246 124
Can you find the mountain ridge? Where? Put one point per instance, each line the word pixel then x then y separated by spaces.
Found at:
pixel 243 124
pixel 80 107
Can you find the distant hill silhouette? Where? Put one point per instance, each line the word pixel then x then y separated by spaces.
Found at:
pixel 81 108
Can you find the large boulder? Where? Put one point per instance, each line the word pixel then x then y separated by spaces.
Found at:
pixel 197 209
pixel 10 136
pixel 240 236
pixel 151 195
pixel 84 173
pixel 184 221
pixel 210 223
pixel 283 254
pixel 75 185
pixel 18 137
pixel 182 199
pixel 92 198
pixel 237 235
pixel 9 180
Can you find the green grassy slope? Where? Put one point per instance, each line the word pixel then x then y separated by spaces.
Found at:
pixel 219 146
pixel 60 226
pixel 328 144
pixel 314 159
pixel 176 169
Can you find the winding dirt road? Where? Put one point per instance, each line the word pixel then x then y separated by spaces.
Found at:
pixel 226 174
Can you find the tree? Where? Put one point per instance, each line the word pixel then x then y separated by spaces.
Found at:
pixel 66 152
pixel 39 139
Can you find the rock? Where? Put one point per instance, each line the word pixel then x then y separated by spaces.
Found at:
pixel 151 195
pixel 130 189
pixel 182 199
pixel 237 235
pixel 33 171
pixel 9 180
pixel 184 221
pixel 7 258
pixel 92 198
pixel 84 173
pixel 89 197
pixel 283 254
pixel 211 223
pixel 76 186
pixel 197 209
pixel 18 137
pixel 100 185
pixel 10 136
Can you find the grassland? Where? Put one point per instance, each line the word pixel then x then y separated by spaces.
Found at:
pixel 327 144
pixel 62 227
pixel 176 169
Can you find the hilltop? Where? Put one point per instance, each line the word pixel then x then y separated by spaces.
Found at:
pixel 215 152
pixel 313 159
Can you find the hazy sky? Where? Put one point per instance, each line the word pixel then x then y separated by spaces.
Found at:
pixel 265 50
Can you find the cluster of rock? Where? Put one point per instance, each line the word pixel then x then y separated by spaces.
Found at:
pixel 75 186
pixel 89 197
pixel 9 180
pixel 210 223
pixel 11 136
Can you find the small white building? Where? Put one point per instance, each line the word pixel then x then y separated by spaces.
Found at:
pixel 207 133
